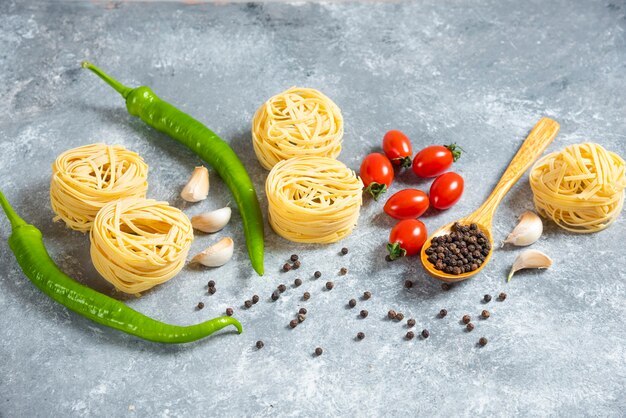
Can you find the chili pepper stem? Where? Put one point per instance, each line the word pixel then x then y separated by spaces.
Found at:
pixel 15 220
pixel 119 87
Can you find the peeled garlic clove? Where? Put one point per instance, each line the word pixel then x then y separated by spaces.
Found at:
pixel 217 254
pixel 527 231
pixel 534 259
pixel 212 221
pixel 197 187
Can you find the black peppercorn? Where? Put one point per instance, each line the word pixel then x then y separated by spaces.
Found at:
pixel 469 326
pixel 487 298
pixel 344 251
pixel 259 344
pixel 399 316
pixel 200 305
pixel 296 264
pixel 317 274
pixel 229 311
pixel 443 313
pixel 363 313
pixel 367 295
pixel 294 257
pixel 318 351
pixel 275 296
pixel 248 303
pixel 482 341
pixel 445 286
pixel 297 282
pixel 485 314
pixel 502 296
pixel 282 288
pixel 410 323
pixel 286 267
pixel 391 314
pixel 360 335
pixel 330 285
pixel 410 335
pixel 293 323
pixel 306 296
pixel 301 318
pixel 466 319
pixel 255 298
pixel 408 284
pixel 425 333
pixel 212 290
pixel 388 258
pixel 352 303
pixel 211 283
pixel 343 271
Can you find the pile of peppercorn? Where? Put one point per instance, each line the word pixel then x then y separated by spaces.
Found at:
pixel 461 251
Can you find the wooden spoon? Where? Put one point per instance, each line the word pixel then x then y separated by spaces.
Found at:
pixel 539 138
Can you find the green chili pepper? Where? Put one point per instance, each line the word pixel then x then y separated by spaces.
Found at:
pixel 164 117
pixel 26 243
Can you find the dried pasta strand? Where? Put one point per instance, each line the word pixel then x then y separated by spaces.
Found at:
pixel 138 243
pixel 581 188
pixel 313 199
pixel 296 122
pixel 86 178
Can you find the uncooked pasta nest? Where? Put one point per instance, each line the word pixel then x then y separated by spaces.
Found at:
pixel 313 199
pixel 86 178
pixel 139 243
pixel 581 188
pixel 294 123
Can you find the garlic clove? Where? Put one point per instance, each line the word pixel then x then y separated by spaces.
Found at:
pixel 217 254
pixel 530 259
pixel 212 221
pixel 197 187
pixel 527 231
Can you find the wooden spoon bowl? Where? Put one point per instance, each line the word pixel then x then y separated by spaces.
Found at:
pixel 537 141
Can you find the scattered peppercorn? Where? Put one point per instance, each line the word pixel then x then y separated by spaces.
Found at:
pixel 446 286
pixel 483 341
pixel 293 323
pixel 302 311
pixel 294 257
pixel 363 313
pixel 259 344
pixel 200 305
pixel 247 303
pixel 388 258
pixel 410 323
pixel 286 267
pixel 282 288
pixel 297 282
pixel 425 333
pixel 306 296
pixel 367 295
pixel 344 251
pixel 330 285
pixel 211 283
pixel 352 303
pixel 212 290
pixel 410 335
pixel 466 319
pixel 318 351
pixel 301 318
pixel 317 274
pixel 360 335
pixel 502 296
pixel 255 298
pixel 443 313
pixel 343 271
pixel 275 296
pixel 469 326
pixel 487 298
pixel 229 311
pixel 408 284
pixel 296 264
pixel 485 314
pixel 399 316
pixel 391 314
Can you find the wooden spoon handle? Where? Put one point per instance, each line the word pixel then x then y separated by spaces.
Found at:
pixel 537 141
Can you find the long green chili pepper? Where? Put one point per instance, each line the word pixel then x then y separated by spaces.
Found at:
pixel 27 245
pixel 164 117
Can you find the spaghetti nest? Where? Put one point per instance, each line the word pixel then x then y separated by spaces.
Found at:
pixel 296 122
pixel 313 199
pixel 581 188
pixel 139 243
pixel 86 178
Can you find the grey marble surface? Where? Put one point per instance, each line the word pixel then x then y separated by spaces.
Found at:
pixel 477 73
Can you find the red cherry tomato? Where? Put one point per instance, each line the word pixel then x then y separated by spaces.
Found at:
pixel 377 174
pixel 436 159
pixel 446 190
pixel 406 238
pixel 407 204
pixel 398 148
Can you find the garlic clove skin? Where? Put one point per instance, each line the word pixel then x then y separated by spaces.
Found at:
pixel 527 231
pixel 197 187
pixel 530 259
pixel 212 221
pixel 217 254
